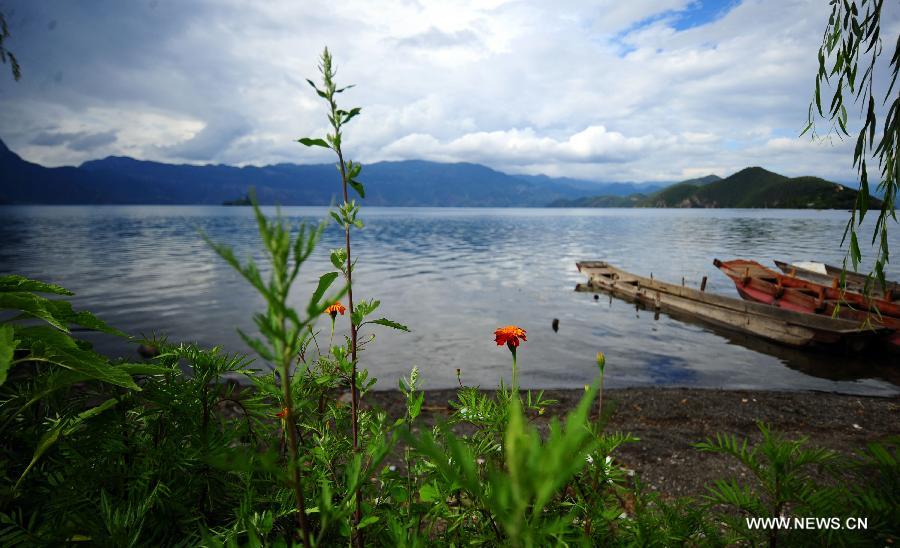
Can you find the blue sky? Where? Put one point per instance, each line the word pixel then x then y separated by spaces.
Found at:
pixel 655 90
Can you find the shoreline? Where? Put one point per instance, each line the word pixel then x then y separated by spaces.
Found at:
pixel 669 420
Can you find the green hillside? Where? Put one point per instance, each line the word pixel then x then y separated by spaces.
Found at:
pixel 756 187
pixel 752 187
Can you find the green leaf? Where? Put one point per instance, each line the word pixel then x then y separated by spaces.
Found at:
pixel 855 254
pixel 339 258
pixel 144 369
pixel 358 187
pixel 429 493
pixel 88 320
pixel 807 128
pixel 415 406
pixel 366 521
pixel 388 323
pixel 7 348
pixel 46 441
pixel 350 115
pixel 33 305
pixel 60 349
pixel 324 283
pixel 63 428
pixel 17 283
pixel 363 309
pixel 313 142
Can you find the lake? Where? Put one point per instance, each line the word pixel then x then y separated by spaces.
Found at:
pixel 453 276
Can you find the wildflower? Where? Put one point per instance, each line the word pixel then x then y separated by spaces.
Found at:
pixel 601 361
pixel 335 309
pixel 282 414
pixel 509 335
pixel 589 459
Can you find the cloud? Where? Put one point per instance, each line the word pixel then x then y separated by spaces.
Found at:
pixel 92 141
pixel 215 138
pixel 609 90
pixel 594 144
pixel 80 141
pixel 436 38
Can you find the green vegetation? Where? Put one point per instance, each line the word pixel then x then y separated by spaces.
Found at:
pixel 175 452
pixel 753 187
pixel 854 32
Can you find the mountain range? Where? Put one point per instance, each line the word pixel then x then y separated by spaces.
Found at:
pixel 122 180
pixel 752 187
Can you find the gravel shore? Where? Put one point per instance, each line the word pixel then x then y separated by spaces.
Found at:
pixel 669 420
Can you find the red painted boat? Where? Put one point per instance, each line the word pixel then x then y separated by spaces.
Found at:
pixel 828 275
pixel 755 282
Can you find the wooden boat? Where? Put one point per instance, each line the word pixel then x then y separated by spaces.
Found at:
pixel 755 282
pixel 739 269
pixel 769 322
pixel 855 281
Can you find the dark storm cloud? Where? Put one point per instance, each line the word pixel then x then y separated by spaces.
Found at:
pixel 80 140
pixel 90 141
pixel 51 139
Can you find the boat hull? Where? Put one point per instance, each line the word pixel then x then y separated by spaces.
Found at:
pixel 769 322
pixel 756 283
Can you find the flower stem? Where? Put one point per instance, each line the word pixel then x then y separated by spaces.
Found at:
pixel 290 421
pixel 515 373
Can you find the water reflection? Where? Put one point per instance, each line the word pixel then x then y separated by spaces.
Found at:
pixel 453 275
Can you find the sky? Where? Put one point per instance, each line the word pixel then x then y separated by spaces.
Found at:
pixel 646 90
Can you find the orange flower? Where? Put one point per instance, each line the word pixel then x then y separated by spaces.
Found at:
pixel 334 309
pixel 509 336
pixel 282 414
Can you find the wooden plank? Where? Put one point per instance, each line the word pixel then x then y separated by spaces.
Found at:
pixel 783 326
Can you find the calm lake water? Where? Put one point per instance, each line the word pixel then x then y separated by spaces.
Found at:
pixel 453 276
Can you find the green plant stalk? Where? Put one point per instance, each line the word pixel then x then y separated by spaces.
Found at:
pixel 290 421
pixel 354 390
pixel 515 372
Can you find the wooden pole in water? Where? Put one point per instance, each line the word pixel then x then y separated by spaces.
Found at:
pixel 703 284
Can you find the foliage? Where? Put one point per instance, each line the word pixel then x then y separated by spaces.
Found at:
pixel 201 447
pixel 794 480
pixel 852 39
pixel 5 53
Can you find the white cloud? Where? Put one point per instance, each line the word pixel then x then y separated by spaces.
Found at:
pixel 609 91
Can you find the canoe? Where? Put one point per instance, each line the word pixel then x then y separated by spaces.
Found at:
pixel 855 281
pixel 767 279
pixel 757 283
pixel 769 322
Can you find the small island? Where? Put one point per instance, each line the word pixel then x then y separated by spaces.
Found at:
pixel 242 201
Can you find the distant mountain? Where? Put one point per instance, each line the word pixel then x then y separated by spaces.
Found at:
pixel 753 187
pixel 632 200
pixel 121 180
pixel 599 189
